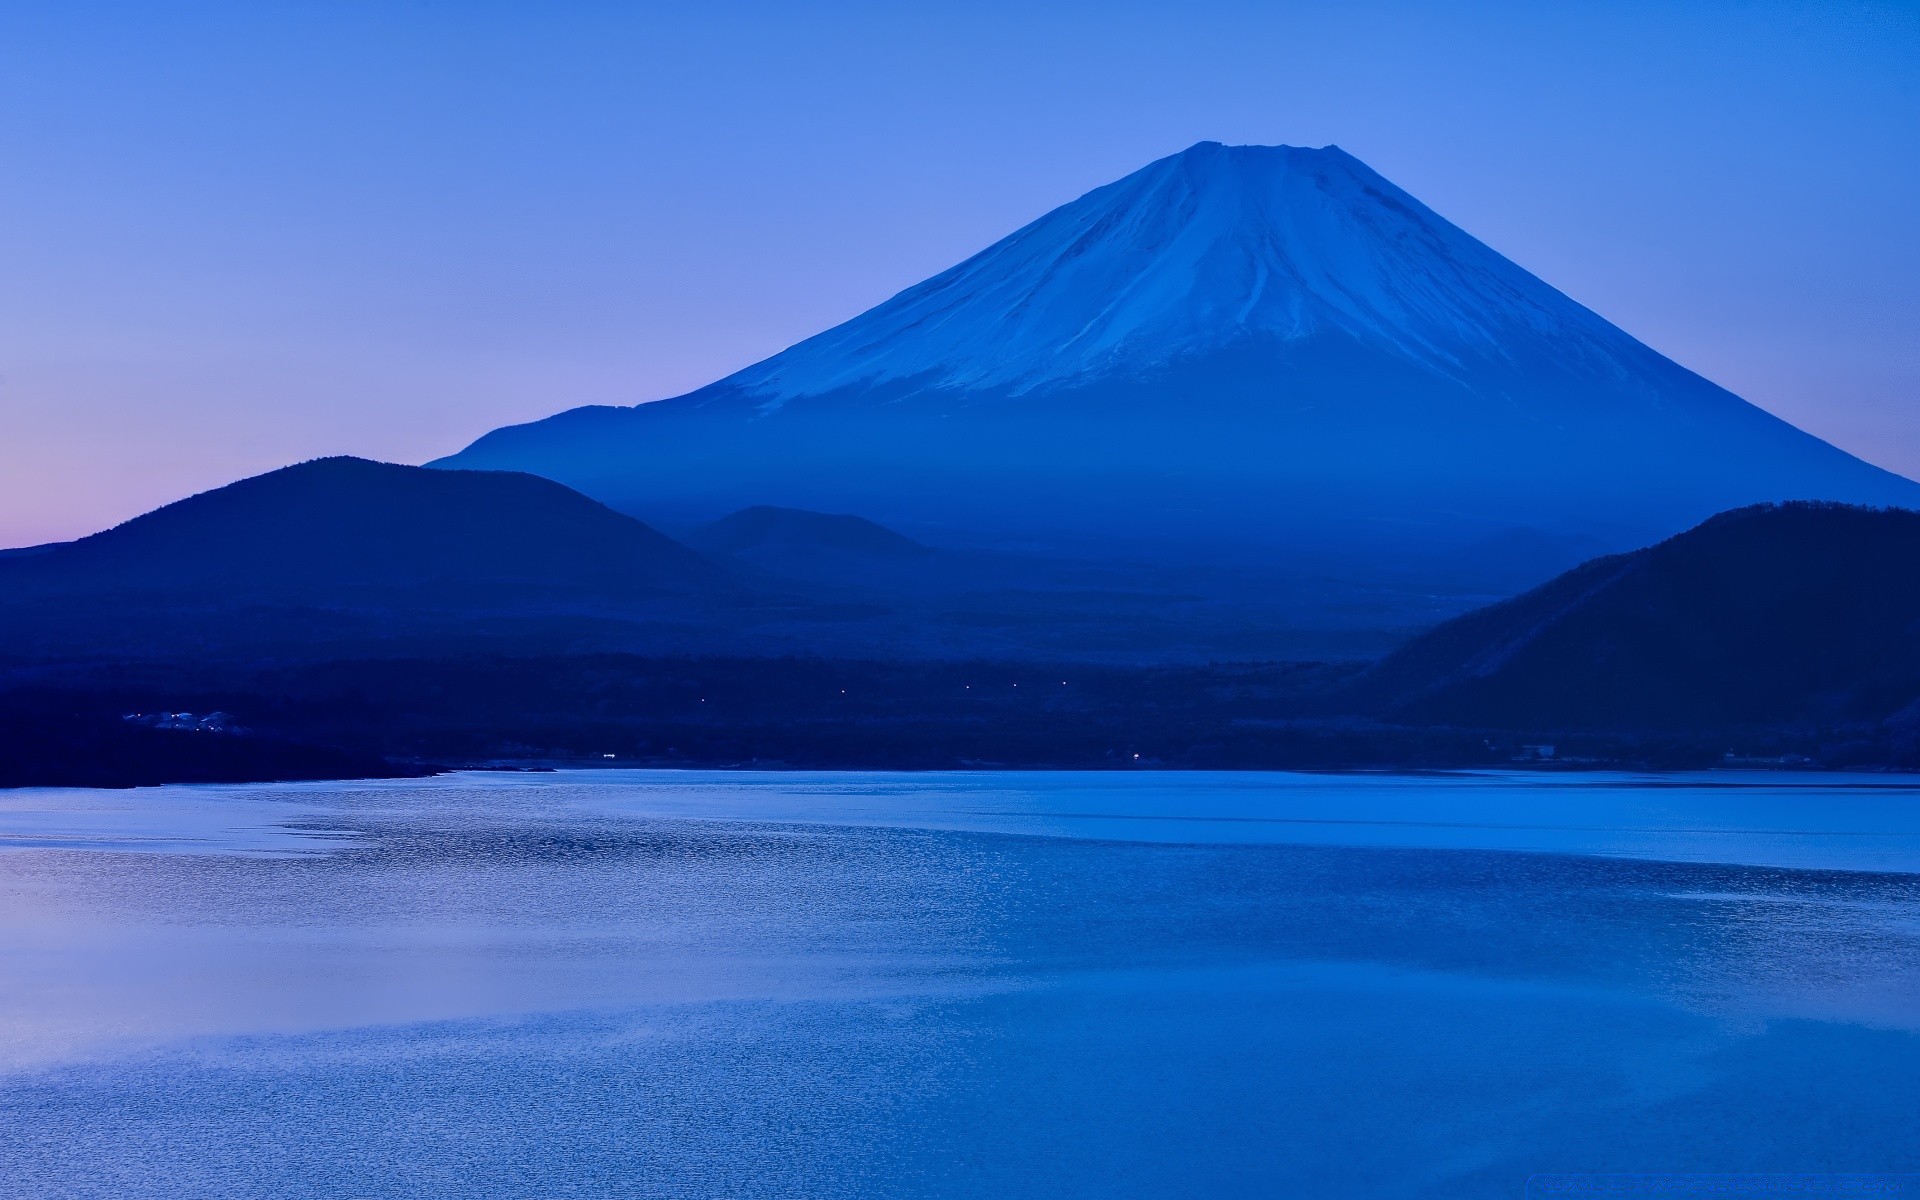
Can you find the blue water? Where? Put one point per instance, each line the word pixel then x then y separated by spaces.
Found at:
pixel 1008 985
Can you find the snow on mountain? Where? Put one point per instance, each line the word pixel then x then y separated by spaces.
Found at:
pixel 1190 254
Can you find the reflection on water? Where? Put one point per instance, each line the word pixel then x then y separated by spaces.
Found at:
pixel 641 983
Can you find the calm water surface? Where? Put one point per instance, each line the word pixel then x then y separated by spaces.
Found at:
pixel 721 984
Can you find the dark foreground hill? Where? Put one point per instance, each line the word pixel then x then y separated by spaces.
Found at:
pixel 340 555
pixel 344 528
pixel 1796 615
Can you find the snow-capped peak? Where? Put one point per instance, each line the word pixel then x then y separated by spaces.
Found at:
pixel 1192 253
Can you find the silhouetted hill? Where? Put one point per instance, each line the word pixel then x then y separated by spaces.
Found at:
pixel 341 556
pixel 768 528
pixel 1795 614
pixel 338 529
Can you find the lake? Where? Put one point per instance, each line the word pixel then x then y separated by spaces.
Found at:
pixel 658 983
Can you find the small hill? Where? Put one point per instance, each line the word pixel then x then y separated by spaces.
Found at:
pixel 766 527
pixel 1771 615
pixel 338 529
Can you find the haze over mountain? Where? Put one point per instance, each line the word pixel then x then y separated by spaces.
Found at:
pixel 1242 348
pixel 765 528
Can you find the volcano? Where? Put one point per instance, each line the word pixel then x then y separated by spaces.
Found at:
pixel 1242 349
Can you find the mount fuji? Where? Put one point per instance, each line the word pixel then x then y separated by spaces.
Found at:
pixel 1250 349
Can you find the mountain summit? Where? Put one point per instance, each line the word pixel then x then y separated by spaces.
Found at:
pixel 1212 246
pixel 1248 347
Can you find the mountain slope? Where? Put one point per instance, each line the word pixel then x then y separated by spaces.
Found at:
pixel 1248 348
pixel 767 529
pixel 338 529
pixel 1763 616
pixel 1189 256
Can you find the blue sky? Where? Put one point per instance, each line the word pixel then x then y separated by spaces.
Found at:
pixel 238 235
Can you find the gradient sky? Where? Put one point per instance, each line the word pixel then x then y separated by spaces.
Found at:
pixel 234 236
